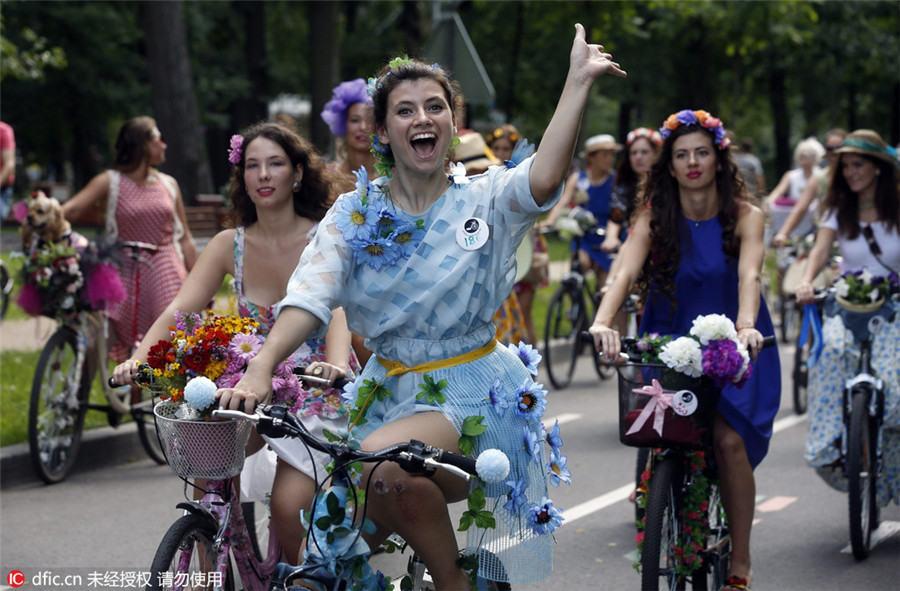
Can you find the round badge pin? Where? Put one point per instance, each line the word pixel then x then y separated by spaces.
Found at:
pixel 472 234
pixel 684 403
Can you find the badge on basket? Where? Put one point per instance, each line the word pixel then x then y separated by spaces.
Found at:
pixel 684 403
pixel 472 234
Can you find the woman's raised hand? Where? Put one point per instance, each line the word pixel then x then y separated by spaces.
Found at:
pixel 589 60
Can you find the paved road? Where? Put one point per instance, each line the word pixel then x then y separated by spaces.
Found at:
pixel 109 518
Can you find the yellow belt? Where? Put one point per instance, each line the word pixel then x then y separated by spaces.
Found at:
pixel 395 368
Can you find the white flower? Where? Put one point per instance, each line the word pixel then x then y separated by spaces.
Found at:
pixel 684 355
pixel 842 288
pixel 865 277
pixel 458 174
pixel 874 295
pixel 200 392
pixel 746 357
pixel 713 327
pixel 492 465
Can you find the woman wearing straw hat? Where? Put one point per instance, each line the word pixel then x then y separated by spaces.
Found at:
pixel 862 212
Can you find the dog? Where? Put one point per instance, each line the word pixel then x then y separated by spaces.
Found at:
pixel 45 224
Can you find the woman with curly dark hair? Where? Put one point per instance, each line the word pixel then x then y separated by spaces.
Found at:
pixel 697 248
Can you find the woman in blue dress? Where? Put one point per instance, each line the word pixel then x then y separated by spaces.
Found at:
pixel 420 261
pixel 697 249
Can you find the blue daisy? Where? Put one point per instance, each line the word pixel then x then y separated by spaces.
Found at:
pixel 407 238
pixel 557 469
pixel 376 252
pixel 516 494
pixel 531 401
pixel 528 355
pixel 553 439
pixel 354 219
pixel 362 182
pixel 545 518
pixel 498 398
pixel 532 442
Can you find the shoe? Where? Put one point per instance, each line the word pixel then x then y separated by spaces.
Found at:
pixel 736 582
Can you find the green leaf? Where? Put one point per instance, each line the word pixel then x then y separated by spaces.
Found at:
pixel 323 523
pixel 473 426
pixel 466 445
pixel 476 500
pixel 465 521
pixel 485 520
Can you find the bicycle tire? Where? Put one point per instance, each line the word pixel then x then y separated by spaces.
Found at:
pixel 658 555
pixel 717 555
pixel 177 553
pixel 564 320
pixel 800 375
pixel 861 476
pixel 57 407
pixel 147 431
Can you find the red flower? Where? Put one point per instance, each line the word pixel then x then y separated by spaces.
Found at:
pixel 197 360
pixel 639 538
pixel 160 354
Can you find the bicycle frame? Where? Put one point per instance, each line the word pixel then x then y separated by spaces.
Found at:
pixel 864 381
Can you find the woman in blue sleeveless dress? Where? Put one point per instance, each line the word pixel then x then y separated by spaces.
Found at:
pixel 420 260
pixel 697 249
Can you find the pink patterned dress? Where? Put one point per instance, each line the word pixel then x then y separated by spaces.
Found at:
pixel 146 214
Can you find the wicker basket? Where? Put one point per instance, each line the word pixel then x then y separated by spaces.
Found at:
pixel 859 308
pixel 201 449
pixel 685 406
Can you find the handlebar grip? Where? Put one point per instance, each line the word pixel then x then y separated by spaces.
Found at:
pixel 464 463
pixel 768 341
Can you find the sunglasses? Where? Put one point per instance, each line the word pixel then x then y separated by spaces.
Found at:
pixel 870 239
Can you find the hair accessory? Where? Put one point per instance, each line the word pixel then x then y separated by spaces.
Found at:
pixel 499 133
pixel 344 95
pixel 869 143
pixel 646 132
pixel 704 119
pixel 236 150
pixel 604 141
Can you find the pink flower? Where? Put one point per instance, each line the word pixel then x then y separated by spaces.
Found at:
pixel 104 288
pixel 235 149
pixel 244 347
pixel 29 300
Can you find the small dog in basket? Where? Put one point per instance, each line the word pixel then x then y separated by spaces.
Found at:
pixel 46 224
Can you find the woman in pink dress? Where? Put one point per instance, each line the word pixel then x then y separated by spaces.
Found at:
pixel 140 203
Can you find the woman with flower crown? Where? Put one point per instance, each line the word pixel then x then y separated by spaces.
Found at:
pixel 279 192
pixel 862 213
pixel 421 261
pixel 696 248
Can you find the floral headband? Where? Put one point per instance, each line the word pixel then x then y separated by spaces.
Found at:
pixel 235 151
pixel 645 132
pixel 344 95
pixel 704 119
pixel 499 133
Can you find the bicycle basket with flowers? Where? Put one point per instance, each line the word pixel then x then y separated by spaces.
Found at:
pixel 860 291
pixel 61 279
pixel 670 398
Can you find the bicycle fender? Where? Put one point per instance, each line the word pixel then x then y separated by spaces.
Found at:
pixel 197 509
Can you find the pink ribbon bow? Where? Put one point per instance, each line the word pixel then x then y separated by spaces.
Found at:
pixel 660 400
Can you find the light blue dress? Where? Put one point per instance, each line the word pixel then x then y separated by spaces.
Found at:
pixel 435 302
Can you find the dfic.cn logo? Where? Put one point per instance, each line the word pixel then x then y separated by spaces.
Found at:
pixel 15 578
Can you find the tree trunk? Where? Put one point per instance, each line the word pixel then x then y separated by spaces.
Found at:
pixel 174 100
pixel 323 67
pixel 254 106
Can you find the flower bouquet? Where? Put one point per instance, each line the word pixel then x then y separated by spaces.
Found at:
pixel 670 399
pixel 60 280
pixel 860 291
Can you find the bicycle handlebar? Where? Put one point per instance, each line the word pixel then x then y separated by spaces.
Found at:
pixel 143 376
pixel 629 345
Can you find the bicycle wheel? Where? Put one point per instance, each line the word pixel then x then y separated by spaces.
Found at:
pixel 59 396
pixel 861 474
pixel 6 285
pixel 186 557
pixel 800 375
pixel 661 532
pixel 147 431
pixel 565 317
pixel 717 555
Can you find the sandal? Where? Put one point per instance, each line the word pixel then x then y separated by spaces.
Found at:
pixel 736 582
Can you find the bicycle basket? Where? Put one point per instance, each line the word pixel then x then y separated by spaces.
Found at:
pixel 201 449
pixel 659 407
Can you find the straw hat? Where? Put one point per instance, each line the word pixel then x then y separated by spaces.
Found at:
pixel 604 141
pixel 474 153
pixel 868 143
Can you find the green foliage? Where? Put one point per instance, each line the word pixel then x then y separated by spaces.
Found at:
pixel 29 61
pixel 472 427
pixel 432 392
pixel 476 513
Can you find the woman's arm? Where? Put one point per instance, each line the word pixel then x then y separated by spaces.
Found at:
pixel 338 344
pixel 611 240
pixel 188 247
pixel 750 229
pixel 197 290
pixel 779 191
pixel 551 162
pixel 88 201
pixel 797 212
pixel 814 263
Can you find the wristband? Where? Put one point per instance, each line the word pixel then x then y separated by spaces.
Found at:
pixel 745 327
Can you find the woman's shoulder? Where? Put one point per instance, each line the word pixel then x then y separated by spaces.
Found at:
pixel 749 213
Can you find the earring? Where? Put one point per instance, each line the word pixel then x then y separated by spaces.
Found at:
pixel 296 187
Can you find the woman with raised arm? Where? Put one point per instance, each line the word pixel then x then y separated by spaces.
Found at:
pixel 279 192
pixel 420 261
pixel 696 248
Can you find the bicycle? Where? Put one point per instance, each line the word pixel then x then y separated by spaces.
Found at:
pixel 6 286
pixel 200 545
pixel 802 352
pixel 61 388
pixel 569 313
pixel 681 471
pixel 863 415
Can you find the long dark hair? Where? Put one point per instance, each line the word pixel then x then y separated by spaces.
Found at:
pixel 843 200
pixel 315 195
pixel 667 222
pixel 133 136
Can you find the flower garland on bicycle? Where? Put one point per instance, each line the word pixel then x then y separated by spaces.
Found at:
pixel 421 279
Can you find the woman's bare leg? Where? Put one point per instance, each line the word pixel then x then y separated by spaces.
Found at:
pixel 738 493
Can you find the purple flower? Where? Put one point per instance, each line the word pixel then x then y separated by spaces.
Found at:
pixel 545 518
pixel 722 361
pixel 343 97
pixel 686 117
pixel 236 149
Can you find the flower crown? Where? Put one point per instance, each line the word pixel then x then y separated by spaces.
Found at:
pixel 498 133
pixel 651 134
pixel 235 151
pixel 343 97
pixel 704 119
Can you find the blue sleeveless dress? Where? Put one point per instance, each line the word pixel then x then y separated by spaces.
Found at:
pixel 707 283
pixel 599 204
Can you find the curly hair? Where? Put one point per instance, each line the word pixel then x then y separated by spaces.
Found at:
pixel 316 191
pixel 667 221
pixel 845 202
